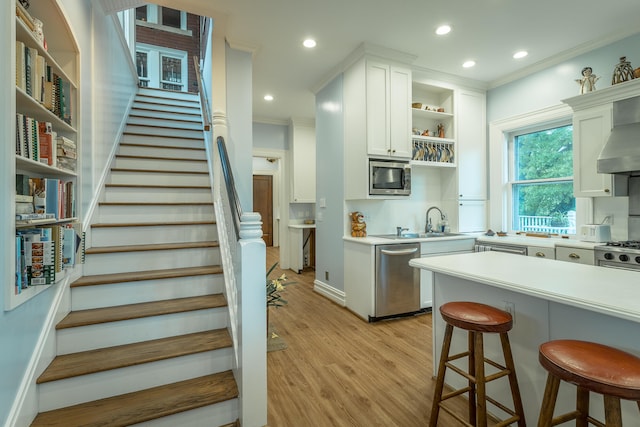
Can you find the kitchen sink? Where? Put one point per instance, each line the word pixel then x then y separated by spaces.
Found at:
pixel 417 235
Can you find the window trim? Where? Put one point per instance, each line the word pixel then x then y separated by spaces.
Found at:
pixel 154 20
pixel 499 131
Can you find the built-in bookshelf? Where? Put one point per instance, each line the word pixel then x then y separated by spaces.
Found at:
pixel 47 148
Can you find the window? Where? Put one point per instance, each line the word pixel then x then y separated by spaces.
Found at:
pixel 154 16
pixel 171 73
pixel 143 68
pixel 541 180
pixel 171 17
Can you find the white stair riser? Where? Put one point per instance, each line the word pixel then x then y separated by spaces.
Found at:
pixel 162 142
pixel 91 337
pixel 151 130
pixel 144 105
pixel 161 164
pixel 220 414
pixel 88 297
pixel 158 178
pixel 125 262
pixel 191 118
pixel 112 236
pixel 124 214
pixel 169 152
pixel 173 122
pixel 154 92
pixel 73 391
pixel 163 194
pixel 187 101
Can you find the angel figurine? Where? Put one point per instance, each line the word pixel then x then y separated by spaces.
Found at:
pixel 588 81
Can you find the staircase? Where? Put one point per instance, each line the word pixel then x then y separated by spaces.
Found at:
pixel 146 341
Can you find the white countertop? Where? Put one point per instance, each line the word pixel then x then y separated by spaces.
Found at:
pixel 545 242
pixel 613 292
pixel 373 240
pixel 301 225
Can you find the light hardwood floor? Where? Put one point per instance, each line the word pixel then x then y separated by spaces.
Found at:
pixel 339 370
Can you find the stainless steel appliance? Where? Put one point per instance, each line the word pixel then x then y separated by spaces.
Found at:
pixel 511 249
pixel 624 255
pixel 397 284
pixel 389 178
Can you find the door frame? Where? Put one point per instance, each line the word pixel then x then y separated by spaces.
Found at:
pixel 280 198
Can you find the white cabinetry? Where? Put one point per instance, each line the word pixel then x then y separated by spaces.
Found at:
pixel 377 120
pixel 465 187
pixel 541 252
pixel 387 105
pixel 302 136
pixel 592 124
pixel 576 255
pixel 591 129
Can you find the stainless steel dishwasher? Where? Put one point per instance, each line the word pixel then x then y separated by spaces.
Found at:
pixel 397 284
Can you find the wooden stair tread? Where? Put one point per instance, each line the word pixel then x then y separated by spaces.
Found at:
pixel 147 125
pixel 173 159
pixel 158 171
pixel 175 147
pixel 152 247
pixel 138 276
pixel 144 405
pixel 105 359
pixel 136 311
pixel 150 224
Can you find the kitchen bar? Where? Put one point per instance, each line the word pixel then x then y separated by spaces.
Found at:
pixel 549 300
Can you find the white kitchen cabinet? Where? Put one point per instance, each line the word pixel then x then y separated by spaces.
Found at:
pixel 541 252
pixel 388 102
pixel 302 136
pixel 377 119
pixel 472 216
pixel 472 145
pixel 591 129
pixel 575 255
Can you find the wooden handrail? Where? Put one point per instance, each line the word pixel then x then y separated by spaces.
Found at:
pixel 204 101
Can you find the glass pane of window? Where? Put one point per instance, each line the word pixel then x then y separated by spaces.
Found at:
pixel 170 17
pixel 141 13
pixel 544 154
pixel 547 207
pixel 171 69
pixel 141 64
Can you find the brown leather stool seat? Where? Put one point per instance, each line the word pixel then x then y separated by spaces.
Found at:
pixel 477 319
pixel 592 368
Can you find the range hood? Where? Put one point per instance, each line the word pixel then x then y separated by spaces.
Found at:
pixel 621 153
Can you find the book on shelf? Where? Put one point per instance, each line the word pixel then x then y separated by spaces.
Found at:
pixel 39 257
pixel 38 190
pixel 72 245
pixel 23 186
pixel 47 141
pixel 24 208
pixel 24 16
pixel 21 76
pixel 28 72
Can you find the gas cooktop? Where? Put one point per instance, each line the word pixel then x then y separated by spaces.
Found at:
pixel 627 244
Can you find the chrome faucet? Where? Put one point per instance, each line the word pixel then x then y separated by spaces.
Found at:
pixel 428 228
pixel 399 231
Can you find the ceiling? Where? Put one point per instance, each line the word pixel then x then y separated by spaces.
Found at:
pixel 487 31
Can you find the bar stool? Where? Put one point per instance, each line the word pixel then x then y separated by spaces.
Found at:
pixel 477 319
pixel 592 368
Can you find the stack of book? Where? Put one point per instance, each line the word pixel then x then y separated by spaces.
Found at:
pixel 52 199
pixel 37 78
pixel 44 252
pixel 66 154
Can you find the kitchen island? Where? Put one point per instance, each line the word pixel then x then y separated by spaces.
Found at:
pixel 549 300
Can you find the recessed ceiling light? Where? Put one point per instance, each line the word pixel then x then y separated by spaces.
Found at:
pixel 309 43
pixel 520 54
pixel 268 97
pixel 469 64
pixel 443 29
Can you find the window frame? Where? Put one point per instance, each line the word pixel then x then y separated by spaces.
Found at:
pixel 500 192
pixel 154 20
pixel 511 150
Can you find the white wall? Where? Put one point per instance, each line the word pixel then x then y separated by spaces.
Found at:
pixel 548 87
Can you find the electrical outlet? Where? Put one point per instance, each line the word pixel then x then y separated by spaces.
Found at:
pixel 326 275
pixel 510 308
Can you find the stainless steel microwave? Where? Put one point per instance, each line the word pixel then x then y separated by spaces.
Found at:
pixel 389 178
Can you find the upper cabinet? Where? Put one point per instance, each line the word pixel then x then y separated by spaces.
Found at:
pixel 592 124
pixel 377 119
pixel 302 137
pixel 388 90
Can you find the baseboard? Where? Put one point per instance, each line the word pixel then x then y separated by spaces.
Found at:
pixel 335 295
